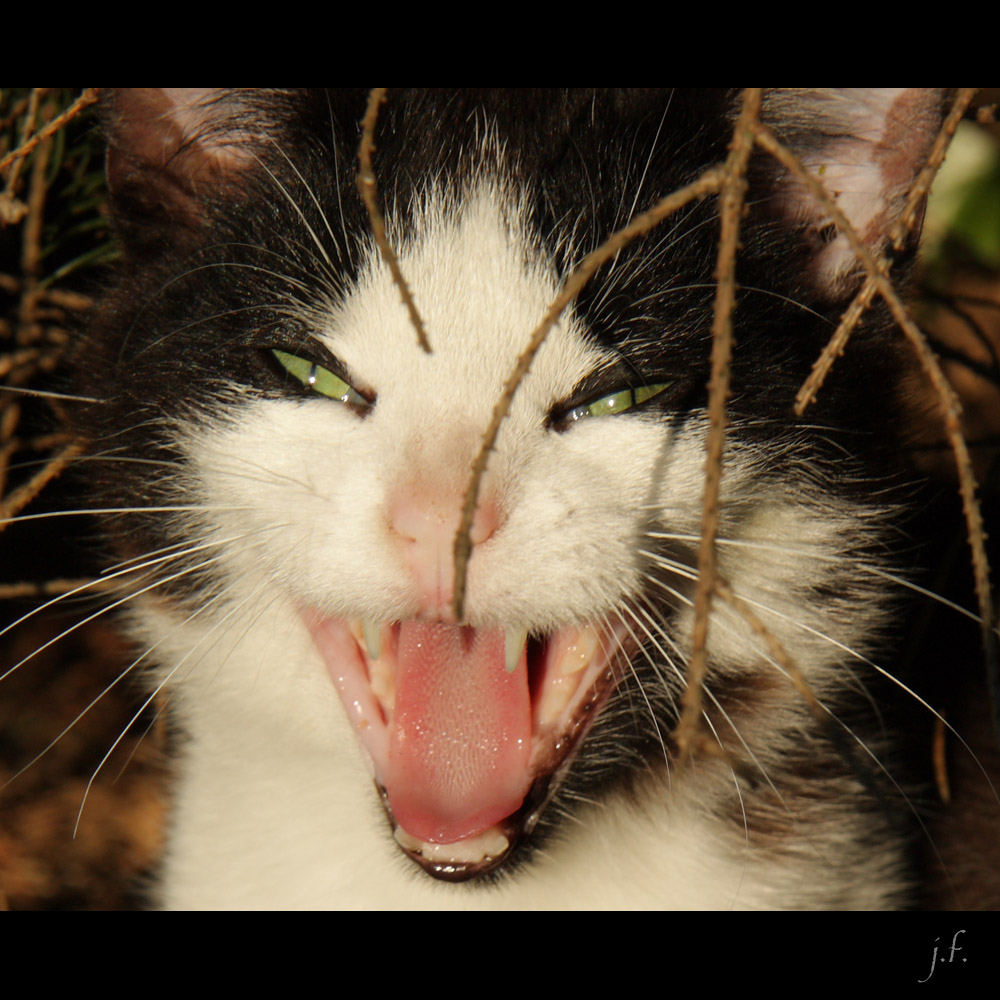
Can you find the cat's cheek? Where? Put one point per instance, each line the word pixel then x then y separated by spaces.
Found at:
pixel 303 505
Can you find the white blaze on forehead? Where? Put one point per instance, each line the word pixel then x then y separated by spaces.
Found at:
pixel 481 288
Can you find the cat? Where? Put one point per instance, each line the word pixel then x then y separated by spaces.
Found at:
pixel 291 466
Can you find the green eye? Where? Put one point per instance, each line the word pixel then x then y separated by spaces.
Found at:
pixel 321 380
pixel 616 402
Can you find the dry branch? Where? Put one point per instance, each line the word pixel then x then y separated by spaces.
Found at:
pixel 23 495
pixel 37 345
pixel 369 194
pixel 939 743
pixel 53 588
pixel 88 97
pixel 776 650
pixel 734 187
pixel 708 183
pixel 928 360
pixel 904 224
pixel 13 211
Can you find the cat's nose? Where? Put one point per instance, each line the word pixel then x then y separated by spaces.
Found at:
pixel 426 517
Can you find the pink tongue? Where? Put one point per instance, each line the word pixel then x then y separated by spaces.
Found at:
pixel 461 732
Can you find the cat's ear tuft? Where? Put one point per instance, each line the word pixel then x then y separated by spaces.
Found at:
pixel 171 154
pixel 866 147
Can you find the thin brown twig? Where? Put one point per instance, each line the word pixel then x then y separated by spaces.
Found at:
pixel 915 200
pixel 31 247
pixel 8 424
pixel 65 298
pixel 7 450
pixel 939 758
pixel 24 494
pixel 778 655
pixel 369 194
pixel 950 405
pixel 43 442
pixel 734 187
pixel 53 588
pixel 834 347
pixel 88 97
pixel 775 648
pixel 15 112
pixel 28 332
pixel 708 183
pixel 16 156
pixel 904 224
pixel 10 416
pixel 25 356
pixel 35 355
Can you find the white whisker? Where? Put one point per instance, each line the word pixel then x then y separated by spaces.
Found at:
pixel 170 509
pixel 149 700
pixel 134 565
pixel 45 394
pixel 103 611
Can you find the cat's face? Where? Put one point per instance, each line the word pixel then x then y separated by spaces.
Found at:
pixel 315 461
pixel 345 514
pixel 348 479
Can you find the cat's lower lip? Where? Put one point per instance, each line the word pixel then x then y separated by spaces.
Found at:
pixel 466 750
pixel 459 861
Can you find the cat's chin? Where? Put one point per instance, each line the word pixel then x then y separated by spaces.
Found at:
pixel 469 730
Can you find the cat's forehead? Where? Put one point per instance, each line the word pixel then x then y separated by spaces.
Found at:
pixel 482 285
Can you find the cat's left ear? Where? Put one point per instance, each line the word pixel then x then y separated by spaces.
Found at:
pixel 866 147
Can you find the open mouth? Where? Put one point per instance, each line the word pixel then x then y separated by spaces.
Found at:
pixel 469 731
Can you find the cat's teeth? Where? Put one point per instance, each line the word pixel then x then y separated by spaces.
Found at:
pixel 490 843
pixel 373 639
pixel 516 638
pixel 563 683
pixel 383 682
pixel 580 653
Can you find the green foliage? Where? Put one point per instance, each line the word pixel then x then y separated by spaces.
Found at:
pixel 963 216
pixel 976 224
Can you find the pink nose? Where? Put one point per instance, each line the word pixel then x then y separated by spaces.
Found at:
pixel 426 518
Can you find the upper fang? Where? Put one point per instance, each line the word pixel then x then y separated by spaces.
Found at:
pixel 515 640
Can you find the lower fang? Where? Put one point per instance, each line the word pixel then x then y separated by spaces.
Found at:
pixel 383 681
pixel 373 639
pixel 580 654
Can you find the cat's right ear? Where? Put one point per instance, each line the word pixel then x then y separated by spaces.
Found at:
pixel 866 147
pixel 172 155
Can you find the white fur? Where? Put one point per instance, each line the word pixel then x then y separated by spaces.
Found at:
pixel 274 807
